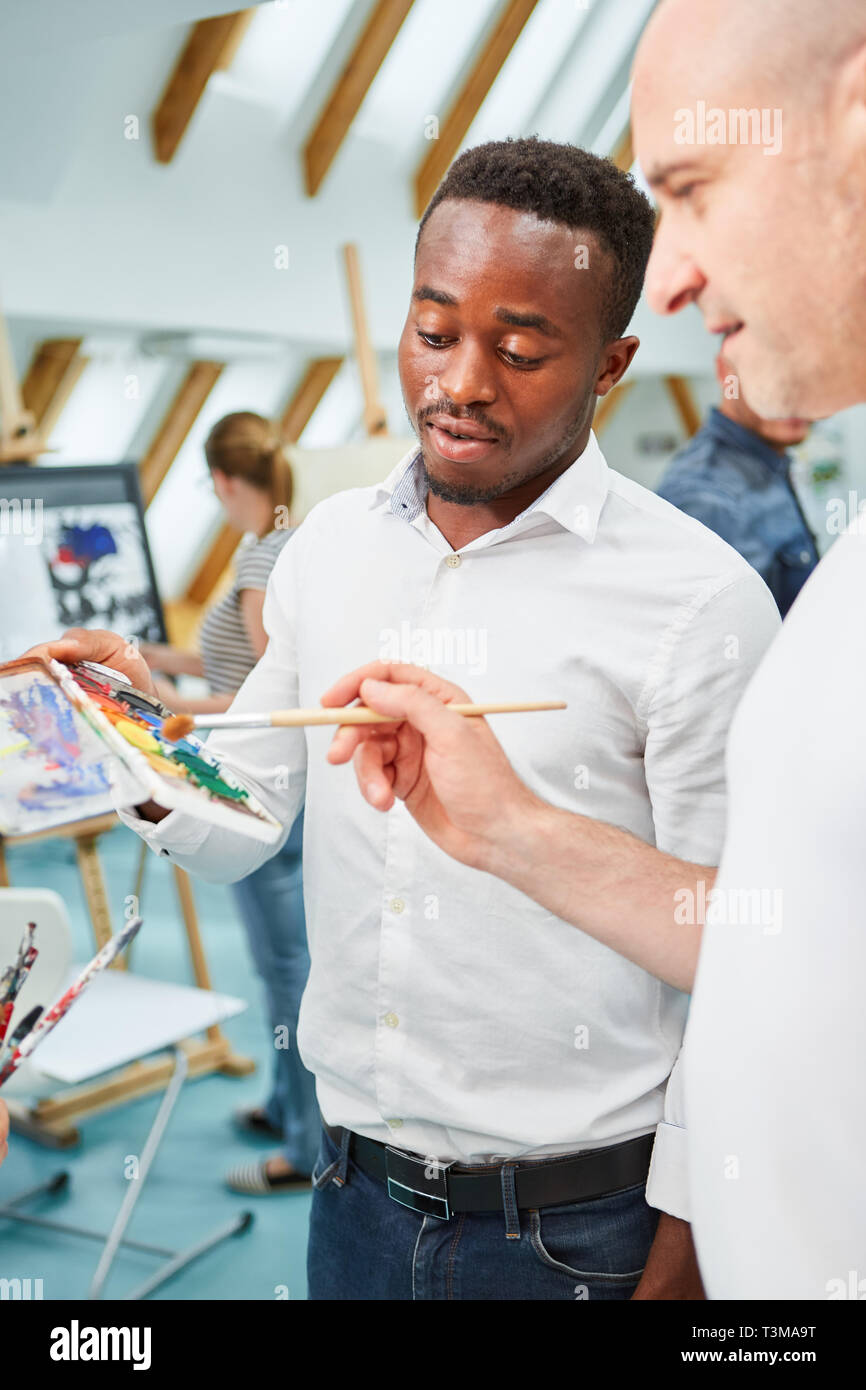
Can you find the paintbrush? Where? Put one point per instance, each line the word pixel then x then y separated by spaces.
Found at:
pixel 24 1027
pixel 44 1024
pixel 179 725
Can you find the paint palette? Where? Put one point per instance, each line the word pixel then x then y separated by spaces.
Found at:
pixel 78 741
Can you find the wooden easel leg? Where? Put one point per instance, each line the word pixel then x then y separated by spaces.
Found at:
pixel 233 1064
pixel 90 868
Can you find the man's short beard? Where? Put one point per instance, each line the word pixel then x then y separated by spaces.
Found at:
pixel 467 495
pixel 464 494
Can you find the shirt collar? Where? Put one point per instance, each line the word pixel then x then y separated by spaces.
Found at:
pixel 746 440
pixel 574 500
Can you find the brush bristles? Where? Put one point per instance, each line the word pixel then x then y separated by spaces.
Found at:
pixel 177 726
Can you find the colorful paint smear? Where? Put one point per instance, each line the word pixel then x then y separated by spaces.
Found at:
pixel 126 711
pixel 52 768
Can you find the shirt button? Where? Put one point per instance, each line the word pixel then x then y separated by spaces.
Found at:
pixel 805 556
pixel 392 1020
pixel 454 561
pixel 397 905
pixel 394 1124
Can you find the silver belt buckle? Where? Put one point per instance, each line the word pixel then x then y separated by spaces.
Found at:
pixel 421 1184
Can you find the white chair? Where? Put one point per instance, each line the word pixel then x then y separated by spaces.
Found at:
pixel 122 1016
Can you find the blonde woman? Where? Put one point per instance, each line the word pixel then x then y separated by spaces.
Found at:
pixel 253 481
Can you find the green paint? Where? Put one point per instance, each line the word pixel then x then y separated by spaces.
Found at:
pixel 208 777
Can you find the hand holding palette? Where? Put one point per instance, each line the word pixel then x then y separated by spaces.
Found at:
pixel 77 741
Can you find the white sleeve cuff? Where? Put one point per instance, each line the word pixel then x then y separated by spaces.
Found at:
pixel 175 834
pixel 668 1183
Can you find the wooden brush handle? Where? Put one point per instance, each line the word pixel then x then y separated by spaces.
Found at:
pixel 361 714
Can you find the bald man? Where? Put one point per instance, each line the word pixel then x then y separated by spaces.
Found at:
pixel 767 235
pixel 772 249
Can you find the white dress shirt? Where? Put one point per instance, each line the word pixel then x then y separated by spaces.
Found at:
pixel 445 1011
pixel 777 1038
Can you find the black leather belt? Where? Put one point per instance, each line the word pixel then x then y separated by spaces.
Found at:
pixel 439 1189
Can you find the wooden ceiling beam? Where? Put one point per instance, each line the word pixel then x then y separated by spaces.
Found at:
pixel 290 426
pixel 305 399
pixel 176 425
pixel 350 89
pixel 51 378
pixel 489 63
pixel 17 436
pixel 211 44
pixel 49 365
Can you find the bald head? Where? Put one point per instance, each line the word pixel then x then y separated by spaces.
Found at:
pixel 749 121
pixel 777 47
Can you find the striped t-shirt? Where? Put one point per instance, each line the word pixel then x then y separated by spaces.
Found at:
pixel 226 652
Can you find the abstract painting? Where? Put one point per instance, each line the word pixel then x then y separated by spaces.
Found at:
pixel 52 764
pixel 74 553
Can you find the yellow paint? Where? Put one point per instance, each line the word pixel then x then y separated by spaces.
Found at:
pixel 14 748
pixel 137 736
pixel 163 765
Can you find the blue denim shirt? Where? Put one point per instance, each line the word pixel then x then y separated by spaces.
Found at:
pixel 737 485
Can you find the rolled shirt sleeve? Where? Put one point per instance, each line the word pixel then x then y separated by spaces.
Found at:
pixel 271 763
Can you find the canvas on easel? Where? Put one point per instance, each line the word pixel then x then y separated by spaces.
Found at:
pixel 74 553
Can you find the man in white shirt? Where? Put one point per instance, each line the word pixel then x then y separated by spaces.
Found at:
pixel 491 1080
pixel 767 235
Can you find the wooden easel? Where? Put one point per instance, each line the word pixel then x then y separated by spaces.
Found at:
pixel 375 421
pixel 49 1121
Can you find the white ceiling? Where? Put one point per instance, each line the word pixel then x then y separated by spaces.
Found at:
pixel 98 239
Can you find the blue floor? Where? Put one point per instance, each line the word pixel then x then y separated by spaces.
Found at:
pixel 184 1197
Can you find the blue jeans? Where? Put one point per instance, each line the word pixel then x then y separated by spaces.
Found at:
pixel 365 1246
pixel 271 904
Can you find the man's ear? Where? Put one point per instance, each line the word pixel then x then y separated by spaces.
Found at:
pixel 615 361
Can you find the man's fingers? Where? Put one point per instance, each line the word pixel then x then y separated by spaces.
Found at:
pixel 375 775
pixel 426 712
pixel 349 736
pixel 63 649
pixel 348 687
